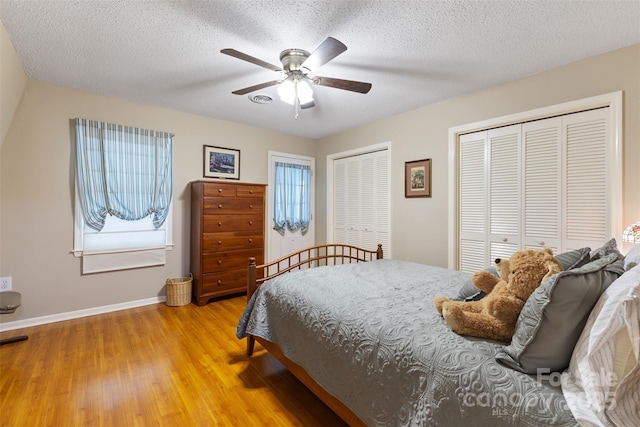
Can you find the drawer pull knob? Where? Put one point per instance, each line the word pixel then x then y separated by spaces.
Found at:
pixel 250 240
pixel 250 191
pixel 219 224
pixel 219 262
pixel 219 282
pixel 220 206
pixel 219 242
pixel 250 222
pixel 219 190
pixel 250 206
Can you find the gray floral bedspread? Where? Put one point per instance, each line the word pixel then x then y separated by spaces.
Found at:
pixel 369 334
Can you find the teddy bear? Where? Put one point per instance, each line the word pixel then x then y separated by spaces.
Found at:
pixel 495 315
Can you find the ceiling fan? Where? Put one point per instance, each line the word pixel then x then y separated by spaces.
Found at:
pixel 297 64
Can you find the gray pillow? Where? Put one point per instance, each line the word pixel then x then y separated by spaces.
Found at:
pixel 611 247
pixel 574 259
pixel 555 314
pixel 632 258
pixel 468 291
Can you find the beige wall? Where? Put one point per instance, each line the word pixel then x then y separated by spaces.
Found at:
pixel 36 174
pixel 419 226
pixel 37 194
pixel 12 81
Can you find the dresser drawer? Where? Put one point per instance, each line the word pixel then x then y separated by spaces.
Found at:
pixel 218 189
pixel 214 283
pixel 250 191
pixel 227 222
pixel 221 205
pixel 232 240
pixel 221 261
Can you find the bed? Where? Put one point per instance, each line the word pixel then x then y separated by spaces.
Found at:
pixel 361 333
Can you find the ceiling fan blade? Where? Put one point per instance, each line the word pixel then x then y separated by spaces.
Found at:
pixel 351 85
pixel 248 58
pixel 329 49
pixel 250 89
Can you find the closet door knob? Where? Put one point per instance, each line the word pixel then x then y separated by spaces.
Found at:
pixel 504 239
pixel 541 242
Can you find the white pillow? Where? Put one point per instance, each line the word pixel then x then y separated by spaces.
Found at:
pixel 602 384
pixel 632 258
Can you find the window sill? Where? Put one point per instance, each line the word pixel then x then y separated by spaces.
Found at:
pixel 103 261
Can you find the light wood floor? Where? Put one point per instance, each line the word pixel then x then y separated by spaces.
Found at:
pixel 150 366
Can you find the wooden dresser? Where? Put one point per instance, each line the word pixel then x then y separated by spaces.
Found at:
pixel 227 228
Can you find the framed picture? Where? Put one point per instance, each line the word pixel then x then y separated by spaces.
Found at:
pixel 417 178
pixel 221 162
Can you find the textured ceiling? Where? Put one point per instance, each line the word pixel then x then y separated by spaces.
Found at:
pixel 167 53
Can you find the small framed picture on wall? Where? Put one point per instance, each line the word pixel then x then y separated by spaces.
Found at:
pixel 221 162
pixel 417 178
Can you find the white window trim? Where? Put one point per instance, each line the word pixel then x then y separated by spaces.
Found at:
pixel 613 100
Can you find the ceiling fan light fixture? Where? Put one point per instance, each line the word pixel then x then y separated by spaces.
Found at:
pixel 305 93
pixel 287 90
pixel 293 87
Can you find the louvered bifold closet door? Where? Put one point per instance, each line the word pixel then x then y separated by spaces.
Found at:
pixel 587 214
pixel 504 194
pixel 382 203
pixel 473 204
pixel 339 201
pixel 542 196
pixel 551 182
pixel 367 202
pixel 362 201
pixel 352 187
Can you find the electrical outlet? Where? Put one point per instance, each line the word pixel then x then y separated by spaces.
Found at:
pixel 5 283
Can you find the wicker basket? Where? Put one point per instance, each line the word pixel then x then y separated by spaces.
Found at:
pixel 179 291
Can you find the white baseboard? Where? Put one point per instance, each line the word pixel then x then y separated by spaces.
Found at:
pixel 18 324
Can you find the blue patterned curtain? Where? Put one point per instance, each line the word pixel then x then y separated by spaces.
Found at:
pixel 292 209
pixel 122 171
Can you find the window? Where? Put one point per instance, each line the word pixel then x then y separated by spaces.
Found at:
pixel 123 196
pixel 292 208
